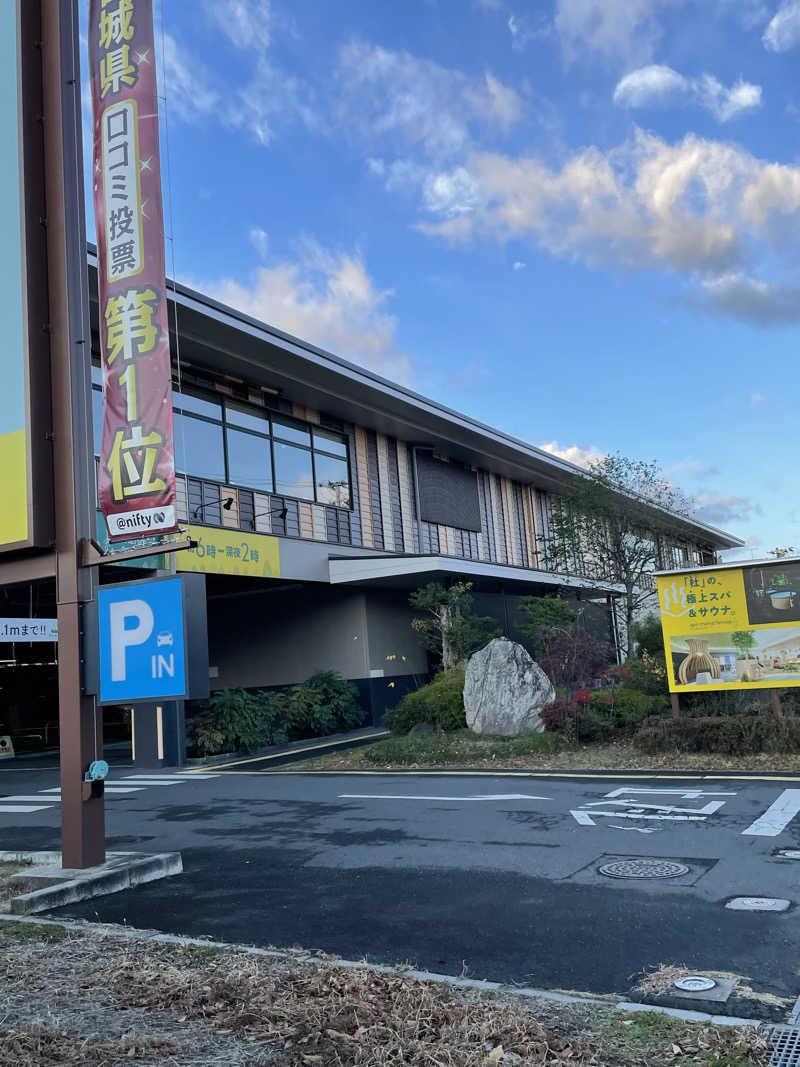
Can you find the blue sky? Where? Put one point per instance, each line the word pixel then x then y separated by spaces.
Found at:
pixel 576 220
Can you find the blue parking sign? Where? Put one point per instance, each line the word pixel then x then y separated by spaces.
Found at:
pixel 142 641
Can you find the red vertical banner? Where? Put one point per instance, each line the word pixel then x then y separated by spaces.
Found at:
pixel 137 459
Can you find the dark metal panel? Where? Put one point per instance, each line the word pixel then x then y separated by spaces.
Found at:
pixel 448 492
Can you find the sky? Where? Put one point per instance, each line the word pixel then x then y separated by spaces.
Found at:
pixel 575 220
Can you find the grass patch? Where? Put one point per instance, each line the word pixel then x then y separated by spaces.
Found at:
pixel 202 952
pixel 662 1039
pixel 47 932
pixel 546 751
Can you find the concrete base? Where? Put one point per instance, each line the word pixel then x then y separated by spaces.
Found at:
pixel 46 884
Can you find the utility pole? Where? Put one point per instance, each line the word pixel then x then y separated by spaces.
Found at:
pixel 80 721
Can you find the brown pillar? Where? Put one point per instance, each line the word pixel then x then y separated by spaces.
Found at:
pixel 676 708
pixel 80 723
pixel 775 701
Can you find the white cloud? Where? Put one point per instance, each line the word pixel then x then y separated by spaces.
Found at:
pixel 247 23
pixel 186 83
pixel 757 400
pixel 582 457
pixel 783 30
pixel 450 194
pixel 724 508
pixel 659 85
pixel 326 298
pixel 617 31
pixel 416 103
pixel 697 207
pixel 755 301
pixel 519 265
pixel 259 239
pixel 524 29
pixel 692 468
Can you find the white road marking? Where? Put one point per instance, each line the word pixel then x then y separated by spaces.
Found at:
pixel 108 789
pixel 638 829
pixel 29 799
pixel 587 819
pixel 142 782
pixel 777 816
pixel 169 777
pixel 22 808
pixel 641 805
pixel 685 794
pixel 404 796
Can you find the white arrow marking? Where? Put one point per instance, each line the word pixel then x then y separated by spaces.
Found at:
pixel 777 816
pixel 583 817
pixel 640 805
pixel 638 829
pixel 686 794
pixel 404 796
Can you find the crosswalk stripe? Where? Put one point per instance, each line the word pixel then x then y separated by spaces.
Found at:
pixel 142 782
pixel 29 799
pixel 168 777
pixel 21 808
pixel 777 816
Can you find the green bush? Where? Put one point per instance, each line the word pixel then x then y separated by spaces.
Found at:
pixel 737 735
pixel 440 702
pixel 324 704
pixel 234 720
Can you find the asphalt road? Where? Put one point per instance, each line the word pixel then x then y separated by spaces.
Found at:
pixel 493 875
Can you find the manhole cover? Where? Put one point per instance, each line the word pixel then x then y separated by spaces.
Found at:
pixel 694 983
pixel 758 904
pixel 644 868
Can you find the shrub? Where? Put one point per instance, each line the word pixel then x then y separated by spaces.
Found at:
pixel 459 747
pixel 324 704
pixel 440 702
pixel 727 735
pixel 603 714
pixel 555 715
pixel 234 720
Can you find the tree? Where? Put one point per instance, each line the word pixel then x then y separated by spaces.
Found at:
pixel 574 658
pixel 542 614
pixel 449 625
pixel 607 523
pixel 744 641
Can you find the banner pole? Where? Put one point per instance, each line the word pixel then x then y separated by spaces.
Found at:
pixel 80 725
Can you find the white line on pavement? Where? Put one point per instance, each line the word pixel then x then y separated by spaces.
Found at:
pixel 403 796
pixel 687 794
pixel 777 816
pixel 169 777
pixel 149 781
pixel 108 789
pixel 18 808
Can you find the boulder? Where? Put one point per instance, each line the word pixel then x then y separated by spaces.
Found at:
pixel 505 690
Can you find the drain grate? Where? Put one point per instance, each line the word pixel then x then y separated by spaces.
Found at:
pixel 644 868
pixel 785 1047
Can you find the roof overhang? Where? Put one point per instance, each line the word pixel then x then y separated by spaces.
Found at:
pixel 220 339
pixel 397 571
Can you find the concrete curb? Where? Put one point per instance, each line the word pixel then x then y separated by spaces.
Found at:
pixel 484 772
pixel 478 985
pixel 60 886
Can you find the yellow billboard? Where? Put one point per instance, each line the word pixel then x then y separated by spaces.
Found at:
pixel 220 551
pixel 732 627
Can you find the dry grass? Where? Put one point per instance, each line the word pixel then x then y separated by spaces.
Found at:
pixel 659 983
pixel 608 757
pixel 9 868
pixel 108 1000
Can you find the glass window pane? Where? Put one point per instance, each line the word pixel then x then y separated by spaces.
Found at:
pixel 332 484
pixel 288 432
pixel 198 448
pixel 97 419
pixel 248 417
pixel 249 461
pixel 293 475
pixel 97 376
pixel 196 404
pixel 330 442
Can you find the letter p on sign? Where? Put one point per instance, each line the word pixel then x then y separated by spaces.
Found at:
pixel 124 635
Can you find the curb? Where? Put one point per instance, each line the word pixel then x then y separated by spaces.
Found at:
pixel 478 985
pixel 485 772
pixel 122 870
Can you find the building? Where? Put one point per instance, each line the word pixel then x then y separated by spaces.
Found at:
pixel 320 495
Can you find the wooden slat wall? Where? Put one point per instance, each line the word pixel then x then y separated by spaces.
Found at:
pixel 375 489
pixel 263 504
pixel 230 518
pixel 305 520
pixel 181 499
pixel 319 523
pixel 362 474
pixel 406 495
pixel 382 456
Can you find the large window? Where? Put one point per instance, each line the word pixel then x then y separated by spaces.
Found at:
pixel 243 446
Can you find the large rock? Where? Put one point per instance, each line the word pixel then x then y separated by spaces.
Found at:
pixel 505 690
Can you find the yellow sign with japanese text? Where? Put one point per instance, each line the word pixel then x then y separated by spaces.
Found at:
pixel 732 627
pixel 221 551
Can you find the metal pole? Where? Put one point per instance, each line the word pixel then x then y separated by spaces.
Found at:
pixel 80 725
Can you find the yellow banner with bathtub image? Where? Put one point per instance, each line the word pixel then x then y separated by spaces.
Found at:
pixel 732 628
